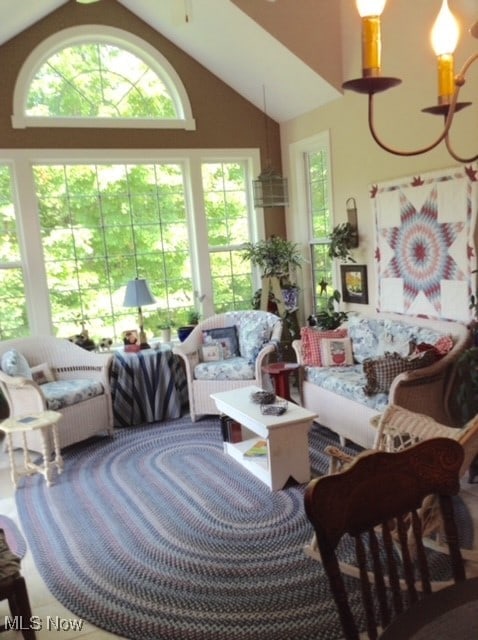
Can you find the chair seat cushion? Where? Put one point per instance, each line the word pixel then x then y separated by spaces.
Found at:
pixel 230 369
pixel 64 393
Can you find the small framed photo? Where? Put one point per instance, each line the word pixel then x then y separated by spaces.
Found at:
pixel 354 283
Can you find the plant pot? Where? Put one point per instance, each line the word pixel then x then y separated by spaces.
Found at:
pixel 183 332
pixel 166 335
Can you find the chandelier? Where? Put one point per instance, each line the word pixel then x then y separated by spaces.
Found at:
pixel 444 36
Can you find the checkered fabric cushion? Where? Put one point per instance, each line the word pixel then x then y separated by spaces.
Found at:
pixel 311 339
pixel 381 372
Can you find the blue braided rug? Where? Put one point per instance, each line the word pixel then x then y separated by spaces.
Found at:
pixel 157 534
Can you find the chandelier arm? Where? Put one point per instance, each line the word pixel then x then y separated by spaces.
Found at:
pixel 460 76
pixel 460 81
pixel 415 152
pixel 457 157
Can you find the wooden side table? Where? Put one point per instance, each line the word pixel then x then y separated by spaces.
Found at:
pixel 47 422
pixel 279 372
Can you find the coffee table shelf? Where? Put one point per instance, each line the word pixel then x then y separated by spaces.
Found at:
pixel 286 437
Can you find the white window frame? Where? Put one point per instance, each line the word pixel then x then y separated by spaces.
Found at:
pixel 28 224
pixel 104 34
pixel 303 224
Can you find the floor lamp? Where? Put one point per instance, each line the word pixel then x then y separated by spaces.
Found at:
pixel 138 294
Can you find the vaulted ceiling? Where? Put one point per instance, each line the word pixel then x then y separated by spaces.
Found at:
pixel 282 55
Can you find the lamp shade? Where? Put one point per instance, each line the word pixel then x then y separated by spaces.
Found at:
pixel 138 294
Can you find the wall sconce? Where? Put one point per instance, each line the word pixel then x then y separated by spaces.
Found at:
pixel 445 35
pixel 351 208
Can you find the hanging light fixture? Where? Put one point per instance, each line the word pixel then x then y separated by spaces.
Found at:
pixel 86 1
pixel 270 189
pixel 445 34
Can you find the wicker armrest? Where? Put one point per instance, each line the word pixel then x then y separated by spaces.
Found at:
pixel 338 458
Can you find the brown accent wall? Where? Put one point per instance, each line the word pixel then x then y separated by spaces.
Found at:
pixel 223 118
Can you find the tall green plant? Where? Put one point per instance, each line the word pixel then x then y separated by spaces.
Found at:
pixel 276 257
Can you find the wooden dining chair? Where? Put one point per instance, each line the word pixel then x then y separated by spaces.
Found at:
pixel 374 503
pixel 13 588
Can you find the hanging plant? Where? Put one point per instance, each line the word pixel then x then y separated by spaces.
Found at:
pixel 342 239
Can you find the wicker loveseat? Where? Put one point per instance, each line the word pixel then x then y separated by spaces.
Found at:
pixel 61 376
pixel 258 334
pixel 338 393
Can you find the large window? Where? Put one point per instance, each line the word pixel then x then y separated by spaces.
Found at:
pixel 91 223
pixel 318 187
pixel 99 77
pixel 227 214
pixel 105 224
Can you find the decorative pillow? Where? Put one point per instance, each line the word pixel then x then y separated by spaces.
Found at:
pixel 381 372
pixel 444 344
pixel 336 352
pixel 311 339
pixel 211 352
pixel 42 373
pixel 226 337
pixel 253 335
pixel 15 364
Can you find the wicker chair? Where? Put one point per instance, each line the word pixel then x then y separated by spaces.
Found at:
pixel 399 429
pixel 268 330
pixel 68 362
pixel 362 501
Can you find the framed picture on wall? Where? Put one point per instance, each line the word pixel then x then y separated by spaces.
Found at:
pixel 354 283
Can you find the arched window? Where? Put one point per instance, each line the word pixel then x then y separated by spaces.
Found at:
pixel 99 77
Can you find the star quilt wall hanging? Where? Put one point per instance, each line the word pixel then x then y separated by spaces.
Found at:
pixel 425 250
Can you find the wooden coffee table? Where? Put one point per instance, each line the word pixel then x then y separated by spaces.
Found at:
pixel 286 437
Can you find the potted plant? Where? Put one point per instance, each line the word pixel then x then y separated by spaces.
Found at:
pixel 277 258
pixel 342 239
pixel 330 317
pixel 192 320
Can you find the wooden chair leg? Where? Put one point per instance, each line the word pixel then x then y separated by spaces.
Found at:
pixel 19 603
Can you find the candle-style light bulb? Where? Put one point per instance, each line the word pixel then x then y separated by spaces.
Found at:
pixel 370 7
pixel 444 38
pixel 370 11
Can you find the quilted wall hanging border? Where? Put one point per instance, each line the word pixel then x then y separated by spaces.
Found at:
pixel 425 249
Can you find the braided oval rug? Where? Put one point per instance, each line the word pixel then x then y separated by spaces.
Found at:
pixel 157 534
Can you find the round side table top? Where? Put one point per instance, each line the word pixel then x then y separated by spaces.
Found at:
pixel 278 367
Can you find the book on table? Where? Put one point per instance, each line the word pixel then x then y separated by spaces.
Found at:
pixel 258 450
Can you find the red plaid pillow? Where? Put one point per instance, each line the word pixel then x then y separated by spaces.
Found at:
pixel 311 338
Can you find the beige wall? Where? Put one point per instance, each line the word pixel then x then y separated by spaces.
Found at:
pixel 357 162
pixel 223 118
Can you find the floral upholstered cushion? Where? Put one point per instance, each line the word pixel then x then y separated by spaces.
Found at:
pixel 348 382
pixel 372 337
pixel 253 335
pixel 230 369
pixel 15 364
pixel 63 393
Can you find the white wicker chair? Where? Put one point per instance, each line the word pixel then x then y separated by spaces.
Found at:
pixel 199 391
pixel 68 362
